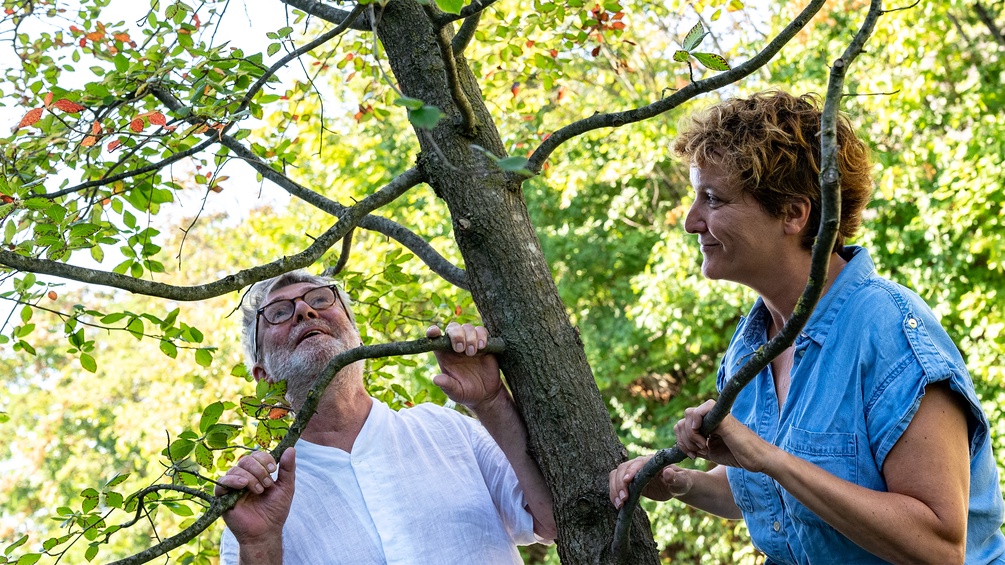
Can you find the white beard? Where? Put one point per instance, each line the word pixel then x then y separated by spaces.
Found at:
pixel 300 365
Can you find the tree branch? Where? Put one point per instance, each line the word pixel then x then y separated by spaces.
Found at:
pixel 219 505
pixel 465 34
pixel 468 120
pixel 693 89
pixel 471 9
pixel 328 13
pixel 343 257
pixel 425 252
pixel 989 21
pixel 830 214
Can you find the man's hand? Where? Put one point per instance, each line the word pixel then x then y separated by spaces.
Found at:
pixel 468 377
pixel 258 517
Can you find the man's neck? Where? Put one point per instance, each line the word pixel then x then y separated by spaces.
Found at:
pixel 339 418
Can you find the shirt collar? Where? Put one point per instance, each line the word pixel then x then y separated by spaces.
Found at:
pixel 859 268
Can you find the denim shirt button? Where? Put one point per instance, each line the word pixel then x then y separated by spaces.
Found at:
pixel 777 526
pixel 912 323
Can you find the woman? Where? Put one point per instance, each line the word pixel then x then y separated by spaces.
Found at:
pixel 864 442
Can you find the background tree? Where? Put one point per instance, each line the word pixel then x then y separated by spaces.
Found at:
pixel 166 121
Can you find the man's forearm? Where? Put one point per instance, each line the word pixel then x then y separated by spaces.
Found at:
pixel 501 420
pixel 264 553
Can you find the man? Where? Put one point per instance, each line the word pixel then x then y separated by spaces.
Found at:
pixel 365 484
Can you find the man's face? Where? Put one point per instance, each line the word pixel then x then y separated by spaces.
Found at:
pixel 299 348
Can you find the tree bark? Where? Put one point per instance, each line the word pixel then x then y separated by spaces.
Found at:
pixel 570 431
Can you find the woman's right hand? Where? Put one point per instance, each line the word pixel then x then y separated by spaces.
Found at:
pixel 671 482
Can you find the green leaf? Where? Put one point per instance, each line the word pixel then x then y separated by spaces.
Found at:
pixel 112 318
pixel 425 117
pixel 410 103
pixel 180 449
pixel 117 480
pixel 88 363
pixel 179 509
pixel 681 56
pixel 694 37
pixel 450 6
pixel 91 552
pixel 273 49
pixel 135 327
pixel 203 456
pixel 10 548
pixel 515 165
pixel 210 415
pixel 169 349
pixel 29 559
pixel 204 357
pixel 712 61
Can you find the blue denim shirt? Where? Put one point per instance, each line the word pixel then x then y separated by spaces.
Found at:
pixel 860 369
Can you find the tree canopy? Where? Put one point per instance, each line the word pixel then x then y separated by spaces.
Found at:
pixel 496 161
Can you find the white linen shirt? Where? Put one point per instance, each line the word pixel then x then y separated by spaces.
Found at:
pixel 422 486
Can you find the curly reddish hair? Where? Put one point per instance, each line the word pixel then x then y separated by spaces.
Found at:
pixel 771 143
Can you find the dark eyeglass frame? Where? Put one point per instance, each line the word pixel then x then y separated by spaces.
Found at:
pixel 336 297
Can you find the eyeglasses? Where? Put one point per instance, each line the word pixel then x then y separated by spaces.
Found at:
pixel 279 311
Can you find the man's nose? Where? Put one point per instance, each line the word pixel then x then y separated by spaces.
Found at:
pixel 303 311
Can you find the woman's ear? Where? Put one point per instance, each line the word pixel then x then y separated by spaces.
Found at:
pixel 797 215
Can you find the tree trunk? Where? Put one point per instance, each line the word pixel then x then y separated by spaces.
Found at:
pixel 571 435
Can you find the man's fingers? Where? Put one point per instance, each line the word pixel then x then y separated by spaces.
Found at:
pixel 433 332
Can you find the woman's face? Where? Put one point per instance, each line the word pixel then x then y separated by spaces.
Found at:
pixel 739 241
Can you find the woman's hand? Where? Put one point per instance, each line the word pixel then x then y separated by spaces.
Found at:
pixel 731 443
pixel 671 482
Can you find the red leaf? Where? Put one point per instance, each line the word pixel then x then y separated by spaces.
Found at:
pixel 553 53
pixel 83 42
pixel 113 145
pixel 95 35
pixel 619 25
pixel 136 125
pixel 596 51
pixel 89 141
pixel 457 310
pixel 48 100
pixel 95 128
pixel 68 106
pixel 52 295
pixel 6 199
pixel 277 413
pixel 33 115
pixel 515 88
pixel 123 37
pixel 9 11
pixel 157 119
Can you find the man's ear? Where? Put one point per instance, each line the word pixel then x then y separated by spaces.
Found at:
pixel 258 371
pixel 797 215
